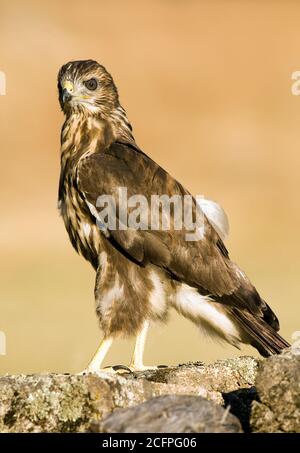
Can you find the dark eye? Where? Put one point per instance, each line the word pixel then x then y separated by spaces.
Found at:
pixel 91 84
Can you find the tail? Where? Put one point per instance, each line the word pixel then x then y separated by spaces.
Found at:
pixel 256 321
pixel 259 333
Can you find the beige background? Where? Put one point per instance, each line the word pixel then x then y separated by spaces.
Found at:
pixel 207 86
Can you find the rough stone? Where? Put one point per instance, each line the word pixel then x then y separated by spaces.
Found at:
pixel 171 414
pixel 71 403
pixel 278 387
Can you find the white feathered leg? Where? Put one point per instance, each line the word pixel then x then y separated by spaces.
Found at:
pixel 96 362
pixel 137 363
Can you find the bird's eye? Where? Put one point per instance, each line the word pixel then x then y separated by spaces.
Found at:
pixel 91 84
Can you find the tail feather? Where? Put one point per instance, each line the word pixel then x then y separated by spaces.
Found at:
pixel 259 334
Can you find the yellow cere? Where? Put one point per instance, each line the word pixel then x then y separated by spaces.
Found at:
pixel 68 86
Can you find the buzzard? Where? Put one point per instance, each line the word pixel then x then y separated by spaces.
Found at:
pixel 142 273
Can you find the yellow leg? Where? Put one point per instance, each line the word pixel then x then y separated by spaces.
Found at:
pixel 96 362
pixel 137 363
pixel 137 359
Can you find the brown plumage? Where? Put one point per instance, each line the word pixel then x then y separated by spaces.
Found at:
pixel 140 274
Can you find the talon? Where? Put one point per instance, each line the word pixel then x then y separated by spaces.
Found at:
pixel 140 368
pixel 98 372
pixel 121 368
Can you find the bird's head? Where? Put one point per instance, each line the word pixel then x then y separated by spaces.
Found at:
pixel 85 86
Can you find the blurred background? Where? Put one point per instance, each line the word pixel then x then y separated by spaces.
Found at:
pixel 207 87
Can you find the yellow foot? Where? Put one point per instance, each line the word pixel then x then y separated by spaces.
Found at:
pixel 117 369
pixel 135 368
pixel 120 369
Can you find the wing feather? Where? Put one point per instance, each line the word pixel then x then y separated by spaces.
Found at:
pixel 203 264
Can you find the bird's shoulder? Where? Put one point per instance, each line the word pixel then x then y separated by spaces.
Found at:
pixel 125 164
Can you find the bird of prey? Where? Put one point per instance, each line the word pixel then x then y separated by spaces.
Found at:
pixel 142 273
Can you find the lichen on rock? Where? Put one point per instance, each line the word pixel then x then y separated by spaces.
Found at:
pixel 278 387
pixel 265 392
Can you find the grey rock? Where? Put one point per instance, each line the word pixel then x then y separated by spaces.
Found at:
pixel 71 403
pixel 221 376
pixel 171 414
pixel 278 387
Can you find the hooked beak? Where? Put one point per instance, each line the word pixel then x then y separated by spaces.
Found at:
pixel 66 95
pixel 68 89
